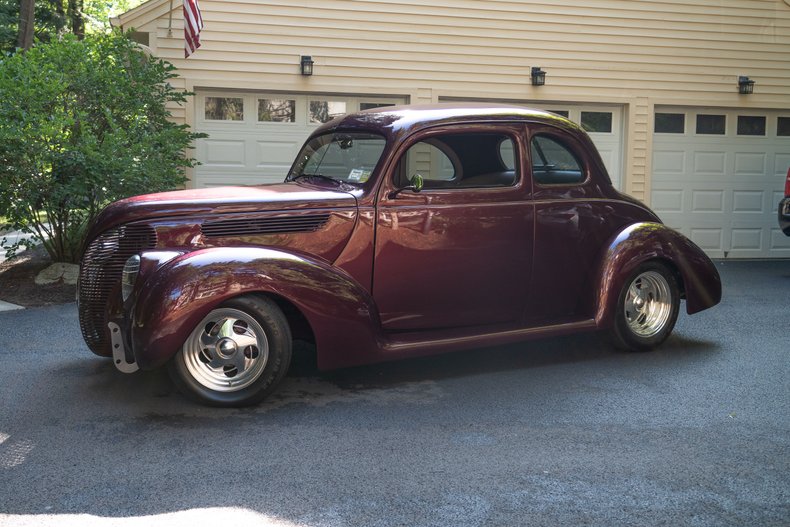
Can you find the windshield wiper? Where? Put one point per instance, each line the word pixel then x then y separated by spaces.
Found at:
pixel 338 183
pixel 312 176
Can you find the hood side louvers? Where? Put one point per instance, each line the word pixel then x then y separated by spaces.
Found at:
pixel 262 226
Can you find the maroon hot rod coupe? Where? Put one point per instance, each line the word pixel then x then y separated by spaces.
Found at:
pixel 398 232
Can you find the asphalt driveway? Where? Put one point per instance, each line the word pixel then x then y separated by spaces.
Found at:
pixel 555 432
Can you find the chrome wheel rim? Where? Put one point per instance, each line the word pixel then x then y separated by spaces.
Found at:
pixel 648 304
pixel 227 351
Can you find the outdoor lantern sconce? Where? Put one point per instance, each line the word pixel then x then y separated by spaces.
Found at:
pixel 538 76
pixel 745 85
pixel 307 65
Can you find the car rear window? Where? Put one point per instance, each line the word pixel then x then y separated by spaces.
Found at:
pixel 553 163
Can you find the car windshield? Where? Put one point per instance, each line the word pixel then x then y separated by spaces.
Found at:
pixel 346 157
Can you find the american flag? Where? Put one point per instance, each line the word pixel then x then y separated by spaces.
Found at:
pixel 193 23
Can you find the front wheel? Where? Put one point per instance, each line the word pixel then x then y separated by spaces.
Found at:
pixel 236 355
pixel 647 308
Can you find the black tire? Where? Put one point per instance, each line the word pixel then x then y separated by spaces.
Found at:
pixel 236 356
pixel 643 321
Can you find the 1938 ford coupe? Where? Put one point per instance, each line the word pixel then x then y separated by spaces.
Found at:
pixel 398 232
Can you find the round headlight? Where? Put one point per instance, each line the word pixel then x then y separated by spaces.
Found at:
pixel 130 271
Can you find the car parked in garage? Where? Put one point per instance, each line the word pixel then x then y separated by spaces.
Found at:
pixel 399 232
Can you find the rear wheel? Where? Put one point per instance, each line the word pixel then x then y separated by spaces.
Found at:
pixel 236 355
pixel 647 308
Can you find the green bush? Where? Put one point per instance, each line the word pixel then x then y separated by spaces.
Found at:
pixel 84 123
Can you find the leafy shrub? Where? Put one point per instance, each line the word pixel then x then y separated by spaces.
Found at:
pixel 84 123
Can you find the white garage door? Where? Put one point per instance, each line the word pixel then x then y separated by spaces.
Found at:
pixel 718 177
pixel 254 137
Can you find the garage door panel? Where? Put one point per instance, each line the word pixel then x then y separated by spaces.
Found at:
pixel 748 201
pixel 779 242
pixel 607 156
pixel 223 152
pixel 709 239
pixel 750 163
pixel 782 162
pixel 746 239
pixel 670 162
pixel 276 152
pixel 709 163
pixel 667 201
pixel 220 179
pixel 723 190
pixel 707 201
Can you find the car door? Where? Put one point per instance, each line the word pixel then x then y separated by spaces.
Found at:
pixel 458 253
pixel 573 220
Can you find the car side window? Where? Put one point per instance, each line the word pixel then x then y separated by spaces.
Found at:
pixel 553 163
pixel 468 160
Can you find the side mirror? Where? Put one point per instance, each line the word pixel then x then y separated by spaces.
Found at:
pixel 415 185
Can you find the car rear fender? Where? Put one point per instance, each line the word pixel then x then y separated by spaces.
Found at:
pixel 174 299
pixel 641 242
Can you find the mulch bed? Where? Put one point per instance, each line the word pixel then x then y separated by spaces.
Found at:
pixel 17 281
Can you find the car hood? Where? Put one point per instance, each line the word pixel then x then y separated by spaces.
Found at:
pixel 219 200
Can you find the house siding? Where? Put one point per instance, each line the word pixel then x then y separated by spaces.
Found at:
pixel 637 54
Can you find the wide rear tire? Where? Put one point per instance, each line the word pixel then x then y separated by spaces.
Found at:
pixel 647 308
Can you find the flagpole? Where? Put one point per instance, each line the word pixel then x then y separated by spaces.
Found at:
pixel 170 21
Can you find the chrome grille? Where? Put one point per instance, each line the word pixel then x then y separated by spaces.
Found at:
pixel 261 226
pixel 100 276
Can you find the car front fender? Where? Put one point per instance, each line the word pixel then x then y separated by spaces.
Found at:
pixel 175 298
pixel 641 242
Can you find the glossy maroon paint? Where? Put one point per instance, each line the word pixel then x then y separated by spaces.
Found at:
pixel 202 203
pixel 413 274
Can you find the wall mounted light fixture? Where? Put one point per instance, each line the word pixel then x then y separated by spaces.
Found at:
pixel 745 85
pixel 307 65
pixel 538 76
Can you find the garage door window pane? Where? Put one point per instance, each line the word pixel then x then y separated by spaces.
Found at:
pixel 325 111
pixel 670 123
pixel 783 126
pixel 597 121
pixel 224 108
pixel 751 125
pixel 371 105
pixel 277 110
pixel 564 113
pixel 711 124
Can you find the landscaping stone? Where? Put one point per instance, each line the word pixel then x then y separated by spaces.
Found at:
pixel 66 273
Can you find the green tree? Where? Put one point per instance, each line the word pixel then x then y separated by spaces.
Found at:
pixel 83 123
pixel 56 17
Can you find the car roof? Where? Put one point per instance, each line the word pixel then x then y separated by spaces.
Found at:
pixel 402 120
